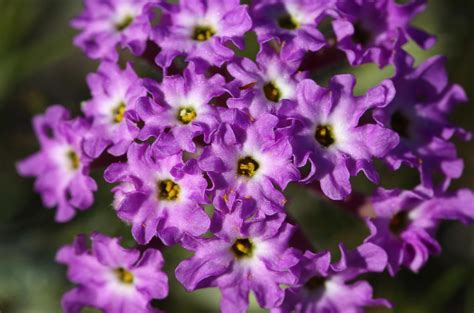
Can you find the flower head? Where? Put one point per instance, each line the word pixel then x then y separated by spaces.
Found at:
pixel 258 160
pixel 210 132
pixel 200 30
pixel 265 86
pixel 181 105
pixel 293 23
pixel 371 31
pixel 112 278
pixel 105 24
pixel 325 287
pixel 60 167
pixel 332 139
pixel 112 109
pixel 419 114
pixel 407 220
pixel 242 256
pixel 159 195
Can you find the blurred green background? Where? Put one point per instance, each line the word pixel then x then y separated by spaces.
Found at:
pixel 39 66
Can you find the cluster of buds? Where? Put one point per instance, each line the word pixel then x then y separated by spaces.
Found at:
pixel 226 132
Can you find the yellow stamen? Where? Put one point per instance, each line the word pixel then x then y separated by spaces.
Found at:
pixel 288 22
pixel 324 135
pixel 271 92
pixel 124 23
pixel 203 33
pixel 247 166
pixel 242 247
pixel 168 190
pixel 186 115
pixel 118 112
pixel 74 159
pixel 124 276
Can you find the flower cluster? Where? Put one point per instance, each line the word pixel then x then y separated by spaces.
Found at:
pixel 226 132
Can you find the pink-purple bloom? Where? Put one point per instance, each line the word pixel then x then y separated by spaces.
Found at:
pixel 407 221
pixel 181 106
pixel 111 278
pixel 201 30
pixel 325 287
pixel 114 121
pixel 242 256
pixel 265 86
pixel 255 164
pixel 419 114
pixel 331 138
pixel 159 195
pixel 292 23
pixel 106 24
pixel 371 31
pixel 61 167
pixel 202 154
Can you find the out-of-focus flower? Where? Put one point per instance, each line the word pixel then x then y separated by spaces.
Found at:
pixel 104 24
pixel 407 220
pixel 419 114
pixel 61 167
pixel 325 288
pixel 111 278
pixel 372 31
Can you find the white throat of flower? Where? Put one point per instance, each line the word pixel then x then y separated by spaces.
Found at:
pixel 66 157
pixel 124 16
pixel 247 251
pixel 332 132
pixel 284 85
pixel 204 28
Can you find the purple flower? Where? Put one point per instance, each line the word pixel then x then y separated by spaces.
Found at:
pixel 371 31
pixel 332 139
pixel 111 110
pixel 252 162
pixel 215 131
pixel 111 278
pixel 159 195
pixel 201 30
pixel 106 23
pixel 60 167
pixel 242 256
pixel 407 220
pixel 324 288
pixel 267 86
pixel 419 114
pixel 293 23
pixel 181 106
